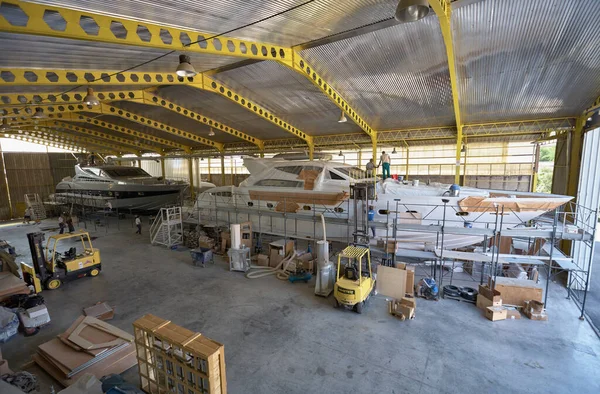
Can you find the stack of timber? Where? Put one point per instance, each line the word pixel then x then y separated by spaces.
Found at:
pixel 88 346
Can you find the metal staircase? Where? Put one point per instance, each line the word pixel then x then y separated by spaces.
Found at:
pixel 167 228
pixel 34 202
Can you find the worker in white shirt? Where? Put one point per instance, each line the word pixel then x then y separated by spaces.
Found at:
pixel 138 224
pixel 370 169
pixel 61 223
pixel 385 160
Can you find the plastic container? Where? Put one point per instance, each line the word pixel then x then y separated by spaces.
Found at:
pixel 9 324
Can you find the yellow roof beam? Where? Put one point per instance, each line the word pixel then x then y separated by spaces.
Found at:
pixel 152 99
pixel 214 86
pixel 88 26
pixel 32 100
pixel 144 120
pixel 302 66
pixel 88 140
pixel 43 140
pixel 104 136
pixel 121 129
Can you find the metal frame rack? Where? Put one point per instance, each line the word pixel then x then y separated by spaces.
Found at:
pixel 572 222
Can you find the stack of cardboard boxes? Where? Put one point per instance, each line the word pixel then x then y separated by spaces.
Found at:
pixel 508 296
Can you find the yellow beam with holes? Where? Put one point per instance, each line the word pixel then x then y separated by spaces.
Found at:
pixel 104 136
pixel 37 77
pixel 151 98
pixel 143 120
pixel 217 87
pixel 45 140
pixel 443 12
pixel 88 26
pixel 121 129
pixel 32 100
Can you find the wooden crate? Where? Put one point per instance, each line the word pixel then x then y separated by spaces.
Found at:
pixel 172 359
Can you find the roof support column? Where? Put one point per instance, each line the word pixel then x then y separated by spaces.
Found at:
pixel 162 166
pixel 222 169
pixel 442 10
pixel 374 145
pixel 311 151
pixel 191 177
pixel 575 156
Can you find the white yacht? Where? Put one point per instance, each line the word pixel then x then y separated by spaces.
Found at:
pixel 309 188
pixel 120 187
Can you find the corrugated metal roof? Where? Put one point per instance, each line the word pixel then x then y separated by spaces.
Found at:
pixel 314 20
pixel 527 58
pixel 223 110
pixel 25 51
pixel 289 95
pixel 395 77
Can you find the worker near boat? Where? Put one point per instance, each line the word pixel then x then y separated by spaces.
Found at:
pixel 385 161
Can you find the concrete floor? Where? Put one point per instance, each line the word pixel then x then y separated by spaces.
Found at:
pixel 280 338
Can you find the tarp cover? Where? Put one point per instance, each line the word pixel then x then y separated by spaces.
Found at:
pixel 483 204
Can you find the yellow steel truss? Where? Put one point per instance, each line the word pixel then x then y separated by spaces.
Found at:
pixel 121 129
pixel 442 10
pixel 45 140
pixel 152 99
pixel 31 100
pixel 89 26
pixel 143 120
pixel 217 87
pixel 98 134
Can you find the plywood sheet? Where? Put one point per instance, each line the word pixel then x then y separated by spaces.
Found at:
pixel 391 282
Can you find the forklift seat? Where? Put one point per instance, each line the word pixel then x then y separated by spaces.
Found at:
pixel 351 273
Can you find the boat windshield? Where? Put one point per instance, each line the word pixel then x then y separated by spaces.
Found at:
pixel 126 172
pixel 353 172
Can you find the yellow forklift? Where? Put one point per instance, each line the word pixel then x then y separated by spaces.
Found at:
pixel 354 284
pixel 53 268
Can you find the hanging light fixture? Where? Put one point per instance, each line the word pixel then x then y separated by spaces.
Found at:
pixel 342 118
pixel 185 68
pixel 463 149
pixel 90 99
pixel 340 154
pixel 394 151
pixel 211 132
pixel 411 10
pixel 5 125
pixel 39 114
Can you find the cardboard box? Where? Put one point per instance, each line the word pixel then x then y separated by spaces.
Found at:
pixel 262 260
pixel 407 311
pixel 517 291
pixel 493 295
pixel 512 314
pixel 409 300
pixel 391 246
pixel 391 282
pixel 483 302
pixel 246 233
pixel 410 279
pixel 401 266
pixel 495 313
pixel 534 310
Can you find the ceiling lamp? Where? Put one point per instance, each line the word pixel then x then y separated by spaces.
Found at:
pixel 5 125
pixel 185 68
pixel 340 154
pixel 411 10
pixel 394 151
pixel 39 114
pixel 342 118
pixel 211 132
pixel 90 99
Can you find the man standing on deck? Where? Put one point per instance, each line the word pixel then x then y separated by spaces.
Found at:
pixel 386 161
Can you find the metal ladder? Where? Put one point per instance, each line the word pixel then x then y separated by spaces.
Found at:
pixel 34 202
pixel 167 228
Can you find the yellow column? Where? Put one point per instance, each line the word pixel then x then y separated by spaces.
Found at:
pixel 575 156
pixel 222 169
pixel 374 145
pixel 459 141
pixel 209 175
pixel 464 177
pixel 191 177
pixel 140 163
pixel 536 168
pixel 311 151
pixel 162 167
pixel 407 153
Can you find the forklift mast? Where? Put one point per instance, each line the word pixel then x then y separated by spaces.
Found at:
pixel 36 245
